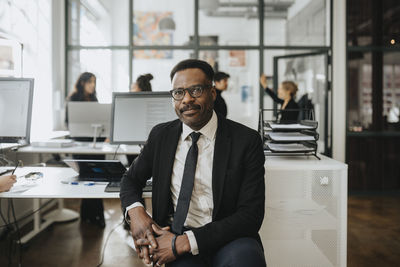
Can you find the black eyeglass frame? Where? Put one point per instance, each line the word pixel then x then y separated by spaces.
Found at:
pixel 190 91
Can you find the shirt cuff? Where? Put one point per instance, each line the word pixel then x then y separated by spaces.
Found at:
pixel 134 205
pixel 193 243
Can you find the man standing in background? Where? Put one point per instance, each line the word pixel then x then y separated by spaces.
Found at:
pixel 221 84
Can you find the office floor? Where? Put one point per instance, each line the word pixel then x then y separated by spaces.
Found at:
pixel 373 231
pixel 373 238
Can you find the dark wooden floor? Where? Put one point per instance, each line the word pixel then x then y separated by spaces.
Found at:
pixel 373 231
pixel 373 238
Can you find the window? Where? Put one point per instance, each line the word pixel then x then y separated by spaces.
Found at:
pixel 160 33
pixel 111 68
pixel 298 22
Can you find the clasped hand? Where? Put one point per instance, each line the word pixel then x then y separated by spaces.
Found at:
pixel 152 242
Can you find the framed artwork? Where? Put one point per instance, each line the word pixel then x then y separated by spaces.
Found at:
pixel 10 58
pixel 146 31
pixel 237 58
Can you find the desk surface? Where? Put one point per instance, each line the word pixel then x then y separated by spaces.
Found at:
pixel 50 185
pixel 6 146
pixel 302 162
pixel 84 148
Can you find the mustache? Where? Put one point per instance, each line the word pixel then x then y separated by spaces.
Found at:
pixel 189 107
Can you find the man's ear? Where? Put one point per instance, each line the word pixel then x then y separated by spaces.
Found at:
pixel 214 92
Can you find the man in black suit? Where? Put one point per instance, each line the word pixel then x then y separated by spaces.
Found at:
pixel 208 183
pixel 221 84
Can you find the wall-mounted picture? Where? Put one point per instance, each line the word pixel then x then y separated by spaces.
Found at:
pixel 237 58
pixel 153 28
pixel 10 58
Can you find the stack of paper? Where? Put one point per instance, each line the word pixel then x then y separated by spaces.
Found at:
pixel 294 126
pixel 287 137
pixel 296 147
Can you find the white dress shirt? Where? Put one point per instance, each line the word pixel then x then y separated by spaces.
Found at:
pixel 201 203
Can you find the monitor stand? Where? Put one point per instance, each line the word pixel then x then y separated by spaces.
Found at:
pixel 95 131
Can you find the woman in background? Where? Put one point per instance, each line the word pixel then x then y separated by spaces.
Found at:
pixel 92 210
pixel 142 83
pixel 286 94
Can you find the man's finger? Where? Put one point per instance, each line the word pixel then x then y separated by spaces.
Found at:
pixel 137 247
pixel 155 257
pixel 151 238
pixel 143 242
pixel 166 228
pixel 146 256
pixel 157 230
pixel 141 253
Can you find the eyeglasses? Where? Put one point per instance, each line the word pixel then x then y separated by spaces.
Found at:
pixel 195 91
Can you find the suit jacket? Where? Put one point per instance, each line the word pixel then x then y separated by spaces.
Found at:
pixel 220 105
pixel 237 181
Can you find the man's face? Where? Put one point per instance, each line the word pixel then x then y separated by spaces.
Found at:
pixel 222 84
pixel 194 112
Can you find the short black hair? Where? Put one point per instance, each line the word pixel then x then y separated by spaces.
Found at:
pixel 194 64
pixel 220 76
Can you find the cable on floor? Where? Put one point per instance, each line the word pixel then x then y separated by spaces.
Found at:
pixel 105 244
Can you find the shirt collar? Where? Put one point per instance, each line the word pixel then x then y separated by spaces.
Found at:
pixel 209 130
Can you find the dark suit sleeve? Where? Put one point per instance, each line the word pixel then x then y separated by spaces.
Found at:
pixel 134 180
pixel 247 219
pixel 273 95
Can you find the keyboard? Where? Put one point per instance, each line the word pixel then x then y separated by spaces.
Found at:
pixel 116 185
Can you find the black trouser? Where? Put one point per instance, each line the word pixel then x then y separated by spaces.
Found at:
pixel 242 252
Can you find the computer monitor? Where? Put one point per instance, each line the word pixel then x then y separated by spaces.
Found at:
pixel 135 114
pixel 88 119
pixel 16 96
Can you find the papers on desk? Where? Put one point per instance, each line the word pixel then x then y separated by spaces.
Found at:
pixel 290 137
pixel 292 147
pixel 55 143
pixel 294 126
pixel 23 184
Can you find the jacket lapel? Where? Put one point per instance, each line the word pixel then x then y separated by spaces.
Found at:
pixel 221 157
pixel 167 152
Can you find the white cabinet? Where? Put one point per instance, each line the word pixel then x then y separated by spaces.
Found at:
pixel 305 221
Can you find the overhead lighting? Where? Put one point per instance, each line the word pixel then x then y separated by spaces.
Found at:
pixel 393 41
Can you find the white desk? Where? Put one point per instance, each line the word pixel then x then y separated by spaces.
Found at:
pixel 7 146
pixel 305 221
pixel 50 186
pixel 84 148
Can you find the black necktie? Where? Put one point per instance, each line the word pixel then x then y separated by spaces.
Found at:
pixel 187 186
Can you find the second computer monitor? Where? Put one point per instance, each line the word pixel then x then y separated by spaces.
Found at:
pixel 86 117
pixel 16 96
pixel 135 114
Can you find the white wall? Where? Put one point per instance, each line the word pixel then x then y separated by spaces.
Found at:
pixel 29 22
pixel 339 80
